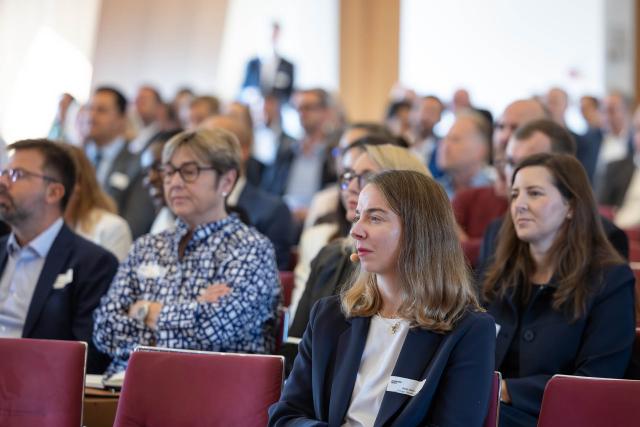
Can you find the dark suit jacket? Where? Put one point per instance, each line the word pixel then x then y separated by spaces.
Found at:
pixel 271 217
pixel 596 345
pixel 283 82
pixel 616 182
pixel 588 147
pixel 457 367
pixel 133 200
pixel 330 270
pixel 616 236
pixel 67 313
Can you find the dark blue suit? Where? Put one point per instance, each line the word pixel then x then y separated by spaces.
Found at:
pixel 67 313
pixel 283 82
pixel 598 344
pixel 457 367
pixel 271 217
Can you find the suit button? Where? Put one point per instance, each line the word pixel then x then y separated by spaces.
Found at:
pixel 528 335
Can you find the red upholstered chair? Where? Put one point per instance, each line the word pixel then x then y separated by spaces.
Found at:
pixel 187 388
pixel 41 382
pixel 571 401
pixel 286 279
pixel 491 420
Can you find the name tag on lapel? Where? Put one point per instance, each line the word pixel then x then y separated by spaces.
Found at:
pixel 118 180
pixel 151 271
pixel 497 329
pixel 63 279
pixel 405 386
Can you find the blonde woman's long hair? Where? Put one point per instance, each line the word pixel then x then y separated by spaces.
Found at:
pixel 87 194
pixel 434 278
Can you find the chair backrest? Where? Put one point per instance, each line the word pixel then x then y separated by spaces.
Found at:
pixel 571 401
pixel 41 382
pixel 287 282
pixel 493 414
pixel 188 388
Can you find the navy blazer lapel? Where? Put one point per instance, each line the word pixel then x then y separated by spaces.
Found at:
pixel 348 356
pixel 415 357
pixel 54 264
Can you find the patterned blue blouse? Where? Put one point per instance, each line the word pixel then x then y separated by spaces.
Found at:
pixel 225 251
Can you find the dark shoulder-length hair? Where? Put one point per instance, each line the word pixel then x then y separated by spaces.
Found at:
pixel 580 249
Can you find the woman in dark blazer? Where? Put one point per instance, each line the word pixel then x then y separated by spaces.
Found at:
pixel 561 296
pixel 406 344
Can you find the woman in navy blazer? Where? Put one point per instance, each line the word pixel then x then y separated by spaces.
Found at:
pixel 561 296
pixel 406 344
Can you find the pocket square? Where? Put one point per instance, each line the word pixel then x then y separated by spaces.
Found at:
pixel 119 180
pixel 63 280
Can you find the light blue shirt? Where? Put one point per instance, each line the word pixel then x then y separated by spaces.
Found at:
pixel 485 177
pixel 305 177
pixel 103 157
pixel 19 278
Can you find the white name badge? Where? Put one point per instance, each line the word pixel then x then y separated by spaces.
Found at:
pixel 151 271
pixel 497 329
pixel 405 386
pixel 119 180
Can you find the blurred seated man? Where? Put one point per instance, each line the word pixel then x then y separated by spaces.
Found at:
pixel 117 169
pixel 541 136
pixel 621 186
pixel 209 284
pixel 476 207
pixel 464 154
pixel 52 279
pixel 266 212
pixel 201 109
pixel 149 109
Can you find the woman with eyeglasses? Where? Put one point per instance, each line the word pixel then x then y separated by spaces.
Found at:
pixel 209 284
pixel 561 296
pixel 332 267
pixel 405 343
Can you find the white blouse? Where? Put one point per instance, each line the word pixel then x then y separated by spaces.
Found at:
pixel 110 231
pixel 381 351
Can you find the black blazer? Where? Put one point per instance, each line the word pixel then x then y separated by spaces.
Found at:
pixel 617 178
pixel 330 270
pixel 67 313
pixel 596 345
pixel 271 217
pixel 133 200
pixel 457 367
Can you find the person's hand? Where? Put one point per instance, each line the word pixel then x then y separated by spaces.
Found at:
pixel 213 293
pixel 504 393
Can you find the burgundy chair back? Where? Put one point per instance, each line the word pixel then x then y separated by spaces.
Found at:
pixel 571 401
pixel 286 280
pixel 491 420
pixel 186 388
pixel 41 382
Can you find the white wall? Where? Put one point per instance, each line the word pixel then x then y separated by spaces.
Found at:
pixel 501 50
pixel 45 49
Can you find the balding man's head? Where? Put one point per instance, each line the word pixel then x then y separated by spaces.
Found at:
pixel 515 115
pixel 237 128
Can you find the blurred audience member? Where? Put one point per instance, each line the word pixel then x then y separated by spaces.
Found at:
pixel 149 109
pixel 92 213
pixel 621 186
pixel 425 141
pixel 464 154
pixel 590 110
pixel 398 118
pixel 201 108
pixel 265 211
pixel 64 124
pixel 118 170
pixel 181 106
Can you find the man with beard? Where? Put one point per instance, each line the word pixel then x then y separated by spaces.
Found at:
pixel 51 279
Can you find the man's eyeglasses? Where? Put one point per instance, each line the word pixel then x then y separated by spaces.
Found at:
pixel 362 178
pixel 189 172
pixel 19 173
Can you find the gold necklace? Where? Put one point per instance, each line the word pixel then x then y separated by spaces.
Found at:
pixel 393 326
